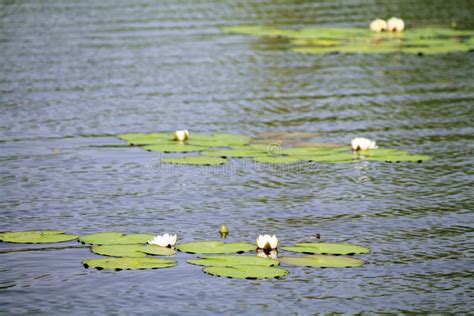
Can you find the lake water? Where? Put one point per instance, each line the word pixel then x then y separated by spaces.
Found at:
pixel 73 74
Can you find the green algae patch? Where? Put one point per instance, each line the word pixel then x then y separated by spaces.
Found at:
pixel 37 236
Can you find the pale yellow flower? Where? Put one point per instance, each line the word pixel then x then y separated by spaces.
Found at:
pixel 181 135
pixel 395 25
pixel 378 25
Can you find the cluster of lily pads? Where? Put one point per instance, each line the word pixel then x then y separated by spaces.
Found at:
pixel 218 258
pixel 275 148
pixel 320 40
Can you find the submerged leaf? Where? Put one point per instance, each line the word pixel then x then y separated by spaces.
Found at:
pixel 323 261
pixel 114 238
pixel 36 236
pixel 128 263
pixel 215 247
pixel 246 272
pixel 137 250
pixel 227 261
pixel 327 248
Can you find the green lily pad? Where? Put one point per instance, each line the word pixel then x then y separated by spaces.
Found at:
pixel 320 40
pixel 276 159
pixel 228 261
pixel 114 238
pixel 323 261
pixel 215 247
pixel 176 147
pixel 337 157
pixel 391 155
pixel 327 248
pixel 236 153
pixel 145 138
pixel 36 236
pixel 246 272
pixel 128 263
pixel 195 160
pixel 134 251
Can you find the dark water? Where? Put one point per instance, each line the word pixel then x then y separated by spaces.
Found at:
pixel 73 73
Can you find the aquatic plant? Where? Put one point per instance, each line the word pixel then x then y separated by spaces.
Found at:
pixel 165 240
pixel 267 242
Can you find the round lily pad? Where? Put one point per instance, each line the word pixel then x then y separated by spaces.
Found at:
pixel 135 251
pixel 276 159
pixel 36 236
pixel 251 272
pixel 229 261
pixel 144 137
pixel 323 261
pixel 177 147
pixel 114 238
pixel 327 248
pixel 128 263
pixel 195 160
pixel 215 247
pixel 237 153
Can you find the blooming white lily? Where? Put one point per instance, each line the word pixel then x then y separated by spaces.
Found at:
pixel 267 242
pixel 360 143
pixel 395 25
pixel 181 135
pixel 166 240
pixel 272 254
pixel 378 25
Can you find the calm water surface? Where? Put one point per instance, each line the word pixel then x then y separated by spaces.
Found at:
pixel 73 74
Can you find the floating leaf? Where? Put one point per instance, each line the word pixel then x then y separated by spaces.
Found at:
pixel 276 159
pixel 228 261
pixel 176 147
pixel 238 153
pixel 137 250
pixel 195 160
pixel 114 238
pixel 246 272
pixel 323 261
pixel 128 263
pixel 143 137
pixel 36 236
pixel 215 247
pixel 434 40
pixel 391 155
pixel 327 248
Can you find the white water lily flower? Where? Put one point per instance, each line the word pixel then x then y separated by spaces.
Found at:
pixel 360 143
pixel 395 25
pixel 181 135
pixel 267 242
pixel 378 25
pixel 166 240
pixel 273 254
